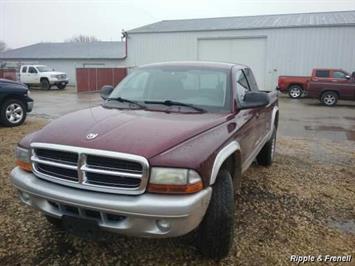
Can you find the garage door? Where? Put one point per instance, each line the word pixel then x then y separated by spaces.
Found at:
pixel 248 51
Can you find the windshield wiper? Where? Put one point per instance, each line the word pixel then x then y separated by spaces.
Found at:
pixel 171 103
pixel 124 100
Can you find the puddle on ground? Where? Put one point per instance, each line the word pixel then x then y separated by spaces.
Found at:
pixel 350 134
pixel 349 118
pixel 343 226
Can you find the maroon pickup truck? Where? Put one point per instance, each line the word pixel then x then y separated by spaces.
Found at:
pixel 161 157
pixel 327 85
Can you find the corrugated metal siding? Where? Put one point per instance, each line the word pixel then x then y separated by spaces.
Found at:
pixel 289 51
pixel 92 79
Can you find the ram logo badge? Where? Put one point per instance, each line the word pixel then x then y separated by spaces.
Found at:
pixel 91 136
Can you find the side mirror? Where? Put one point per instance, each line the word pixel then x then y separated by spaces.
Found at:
pixel 255 99
pixel 106 91
pixel 347 77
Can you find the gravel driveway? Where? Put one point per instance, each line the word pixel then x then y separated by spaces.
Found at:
pixel 302 205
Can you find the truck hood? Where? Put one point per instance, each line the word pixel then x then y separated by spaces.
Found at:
pixel 53 73
pixel 141 132
pixel 11 84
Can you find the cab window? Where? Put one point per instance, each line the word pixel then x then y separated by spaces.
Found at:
pixel 24 69
pixel 32 70
pixel 251 79
pixel 322 73
pixel 242 86
pixel 339 75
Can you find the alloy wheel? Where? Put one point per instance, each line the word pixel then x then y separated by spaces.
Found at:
pixel 14 113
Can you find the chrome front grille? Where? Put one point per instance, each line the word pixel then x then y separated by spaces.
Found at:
pixel 91 169
pixel 62 76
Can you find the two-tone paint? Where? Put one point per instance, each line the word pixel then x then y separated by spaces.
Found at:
pixel 199 141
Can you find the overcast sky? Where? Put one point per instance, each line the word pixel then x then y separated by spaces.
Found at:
pixel 27 22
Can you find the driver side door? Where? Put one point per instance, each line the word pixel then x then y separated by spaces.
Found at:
pixel 32 75
pixel 345 86
pixel 247 120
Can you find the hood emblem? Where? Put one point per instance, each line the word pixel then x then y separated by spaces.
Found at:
pixel 91 136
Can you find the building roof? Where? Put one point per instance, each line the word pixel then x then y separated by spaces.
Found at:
pixel 68 50
pixel 320 19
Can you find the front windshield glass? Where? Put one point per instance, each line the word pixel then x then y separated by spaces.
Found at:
pixel 206 88
pixel 43 69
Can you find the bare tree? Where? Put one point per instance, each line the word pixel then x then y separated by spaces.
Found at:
pixel 3 46
pixel 83 38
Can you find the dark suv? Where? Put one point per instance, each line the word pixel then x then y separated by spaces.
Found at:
pixel 14 103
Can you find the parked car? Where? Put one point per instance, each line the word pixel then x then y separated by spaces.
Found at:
pixel 15 103
pixel 293 85
pixel 35 75
pixel 330 85
pixel 162 157
pixel 335 81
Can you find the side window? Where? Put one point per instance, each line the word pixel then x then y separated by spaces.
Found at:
pixel 242 85
pixel 24 69
pixel 32 70
pixel 322 73
pixel 251 79
pixel 339 75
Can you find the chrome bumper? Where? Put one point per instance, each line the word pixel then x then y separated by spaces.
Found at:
pixel 146 215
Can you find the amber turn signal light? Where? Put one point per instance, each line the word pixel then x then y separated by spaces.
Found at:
pixel 24 165
pixel 175 189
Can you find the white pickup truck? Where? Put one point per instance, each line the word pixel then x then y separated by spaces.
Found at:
pixel 34 75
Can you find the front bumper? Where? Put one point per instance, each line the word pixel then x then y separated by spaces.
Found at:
pixel 29 104
pixel 146 215
pixel 55 81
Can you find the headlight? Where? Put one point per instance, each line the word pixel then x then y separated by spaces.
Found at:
pixel 23 158
pixel 174 180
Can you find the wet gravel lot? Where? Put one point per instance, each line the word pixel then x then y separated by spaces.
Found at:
pixel 302 205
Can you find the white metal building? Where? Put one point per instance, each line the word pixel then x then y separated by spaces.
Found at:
pixel 67 56
pixel 273 45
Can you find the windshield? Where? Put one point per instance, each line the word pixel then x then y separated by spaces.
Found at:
pixel 206 88
pixel 44 69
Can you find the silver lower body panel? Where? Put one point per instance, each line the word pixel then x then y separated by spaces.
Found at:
pixel 146 215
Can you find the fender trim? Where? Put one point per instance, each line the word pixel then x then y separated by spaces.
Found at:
pixel 222 155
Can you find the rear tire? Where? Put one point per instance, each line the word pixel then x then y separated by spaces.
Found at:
pixel 295 91
pixel 216 231
pixel 45 84
pixel 329 98
pixel 12 113
pixel 266 155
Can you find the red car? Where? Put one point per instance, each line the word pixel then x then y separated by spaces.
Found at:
pixel 327 85
pixel 161 157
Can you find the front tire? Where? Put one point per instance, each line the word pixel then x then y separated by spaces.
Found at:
pixel 329 98
pixel 216 231
pixel 61 87
pixel 295 91
pixel 266 155
pixel 45 84
pixel 12 113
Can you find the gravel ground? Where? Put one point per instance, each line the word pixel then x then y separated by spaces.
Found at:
pixel 302 205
